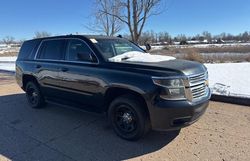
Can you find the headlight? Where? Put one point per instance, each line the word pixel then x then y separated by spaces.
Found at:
pixel 173 89
pixel 164 82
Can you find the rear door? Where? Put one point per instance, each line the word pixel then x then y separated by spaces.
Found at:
pixel 48 58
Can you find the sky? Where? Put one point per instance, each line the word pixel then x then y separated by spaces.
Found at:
pixel 22 18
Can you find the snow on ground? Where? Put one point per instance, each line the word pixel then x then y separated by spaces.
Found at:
pixel 7 66
pixel 231 79
pixel 8 59
pixel 160 47
pixel 219 45
pixel 7 63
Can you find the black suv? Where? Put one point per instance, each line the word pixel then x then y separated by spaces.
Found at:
pixel 82 71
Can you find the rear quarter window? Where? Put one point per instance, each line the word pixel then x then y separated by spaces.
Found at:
pixel 28 49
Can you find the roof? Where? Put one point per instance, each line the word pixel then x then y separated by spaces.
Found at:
pixel 99 37
pixel 78 36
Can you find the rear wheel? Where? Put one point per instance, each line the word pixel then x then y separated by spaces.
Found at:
pixel 34 95
pixel 128 118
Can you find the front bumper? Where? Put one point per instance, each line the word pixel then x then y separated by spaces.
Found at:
pixel 172 115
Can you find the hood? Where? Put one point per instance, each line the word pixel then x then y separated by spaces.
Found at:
pixel 159 62
pixel 177 66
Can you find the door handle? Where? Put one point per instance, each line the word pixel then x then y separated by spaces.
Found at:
pixel 64 69
pixel 38 66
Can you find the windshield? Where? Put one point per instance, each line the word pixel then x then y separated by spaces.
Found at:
pixel 113 47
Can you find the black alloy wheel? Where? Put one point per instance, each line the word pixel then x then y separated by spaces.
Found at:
pixel 128 117
pixel 34 95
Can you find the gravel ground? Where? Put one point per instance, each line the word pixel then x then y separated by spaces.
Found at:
pixel 60 133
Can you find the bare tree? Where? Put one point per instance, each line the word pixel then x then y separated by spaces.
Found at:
pixel 245 36
pixel 41 34
pixel 8 40
pixel 208 36
pixel 147 37
pixel 134 13
pixel 164 37
pixel 103 22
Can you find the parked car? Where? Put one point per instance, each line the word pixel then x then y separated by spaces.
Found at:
pixel 137 96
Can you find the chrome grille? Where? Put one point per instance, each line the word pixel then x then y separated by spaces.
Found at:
pixel 198 86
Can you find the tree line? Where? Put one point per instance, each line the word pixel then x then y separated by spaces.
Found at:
pixel 166 38
pixel 159 37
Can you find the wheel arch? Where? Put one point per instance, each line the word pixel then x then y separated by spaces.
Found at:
pixel 115 92
pixel 26 78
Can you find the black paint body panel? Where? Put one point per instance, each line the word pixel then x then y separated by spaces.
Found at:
pixel 86 84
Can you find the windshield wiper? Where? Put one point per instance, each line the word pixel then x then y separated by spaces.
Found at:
pixel 125 58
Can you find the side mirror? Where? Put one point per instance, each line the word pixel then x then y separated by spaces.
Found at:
pixel 84 57
pixel 148 46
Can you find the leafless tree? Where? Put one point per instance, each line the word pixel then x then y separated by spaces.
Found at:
pixel 103 22
pixel 208 36
pixel 134 13
pixel 146 37
pixel 245 36
pixel 164 37
pixel 8 40
pixel 41 34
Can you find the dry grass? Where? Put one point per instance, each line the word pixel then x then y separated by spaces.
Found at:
pixel 248 58
pixel 212 49
pixel 9 54
pixel 228 49
pixel 193 55
pixel 209 55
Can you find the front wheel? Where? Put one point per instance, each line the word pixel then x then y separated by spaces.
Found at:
pixel 128 118
pixel 34 95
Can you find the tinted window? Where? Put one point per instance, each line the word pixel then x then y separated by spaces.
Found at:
pixel 52 49
pixel 27 48
pixel 77 50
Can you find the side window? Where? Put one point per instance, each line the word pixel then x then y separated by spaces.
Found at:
pixel 77 50
pixel 51 49
pixel 28 48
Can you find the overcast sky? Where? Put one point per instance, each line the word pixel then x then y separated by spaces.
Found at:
pixel 22 18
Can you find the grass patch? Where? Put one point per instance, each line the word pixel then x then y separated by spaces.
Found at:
pixel 213 54
pixel 8 53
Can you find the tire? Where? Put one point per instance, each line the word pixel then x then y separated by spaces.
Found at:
pixel 128 118
pixel 34 95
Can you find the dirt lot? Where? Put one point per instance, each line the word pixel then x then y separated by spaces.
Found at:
pixel 60 133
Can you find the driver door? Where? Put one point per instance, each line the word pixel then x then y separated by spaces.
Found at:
pixel 79 74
